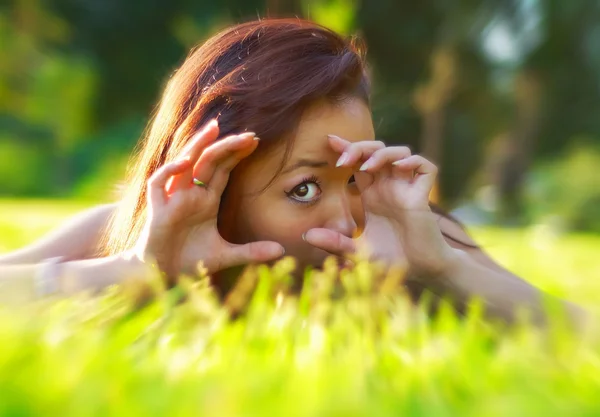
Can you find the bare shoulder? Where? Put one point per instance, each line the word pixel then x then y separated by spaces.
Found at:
pixel 76 238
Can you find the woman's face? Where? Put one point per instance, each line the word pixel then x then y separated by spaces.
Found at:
pixel 309 193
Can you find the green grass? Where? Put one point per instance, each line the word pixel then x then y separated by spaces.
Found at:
pixel 368 353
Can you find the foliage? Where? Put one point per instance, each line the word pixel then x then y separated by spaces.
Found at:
pixel 72 74
pixel 366 352
pixel 566 190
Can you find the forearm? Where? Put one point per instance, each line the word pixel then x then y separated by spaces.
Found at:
pixel 75 239
pixel 503 294
pixel 17 282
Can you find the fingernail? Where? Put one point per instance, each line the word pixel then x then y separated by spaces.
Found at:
pixel 397 162
pixel 304 236
pixel 247 135
pixel 282 251
pixel 364 166
pixel 213 122
pixel 256 138
pixel 337 137
pixel 343 159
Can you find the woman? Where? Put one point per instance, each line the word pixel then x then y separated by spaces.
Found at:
pixel 264 144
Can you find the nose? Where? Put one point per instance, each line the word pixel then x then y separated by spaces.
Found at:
pixel 340 217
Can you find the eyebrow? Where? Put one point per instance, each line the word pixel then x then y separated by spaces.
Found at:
pixel 305 163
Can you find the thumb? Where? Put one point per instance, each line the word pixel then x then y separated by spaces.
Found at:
pixel 254 252
pixel 330 241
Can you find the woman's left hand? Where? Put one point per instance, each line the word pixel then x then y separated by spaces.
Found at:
pixel 400 226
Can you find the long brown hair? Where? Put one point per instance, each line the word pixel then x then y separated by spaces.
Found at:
pixel 258 76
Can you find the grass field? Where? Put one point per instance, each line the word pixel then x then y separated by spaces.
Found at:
pixel 368 353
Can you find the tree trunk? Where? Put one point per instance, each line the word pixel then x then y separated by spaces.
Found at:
pixel 431 101
pixel 511 154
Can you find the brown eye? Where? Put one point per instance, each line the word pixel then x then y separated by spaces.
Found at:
pixel 305 192
pixel 302 190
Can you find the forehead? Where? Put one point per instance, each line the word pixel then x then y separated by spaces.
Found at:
pixel 348 119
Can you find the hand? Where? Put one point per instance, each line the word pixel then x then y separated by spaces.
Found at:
pixel 181 228
pixel 400 227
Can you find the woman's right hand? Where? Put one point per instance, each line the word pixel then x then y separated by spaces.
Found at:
pixel 181 227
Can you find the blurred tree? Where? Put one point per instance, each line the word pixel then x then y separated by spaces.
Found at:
pixel 567 62
pixel 132 46
pixel 483 87
pixel 283 7
pixel 46 99
pixel 554 67
pixel 432 83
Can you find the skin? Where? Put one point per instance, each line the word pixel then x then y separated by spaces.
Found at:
pixel 356 195
pixel 389 198
pixel 311 192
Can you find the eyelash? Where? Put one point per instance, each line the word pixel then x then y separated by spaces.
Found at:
pixel 313 179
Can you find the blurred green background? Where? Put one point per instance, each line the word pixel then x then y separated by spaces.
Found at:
pixel 502 94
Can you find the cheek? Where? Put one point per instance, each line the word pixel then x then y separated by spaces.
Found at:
pixel 278 222
pixel 281 221
pixel 285 223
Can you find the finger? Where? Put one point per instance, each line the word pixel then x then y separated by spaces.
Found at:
pixel 384 157
pixel 358 151
pixel 345 147
pixel 196 145
pixel 158 181
pixel 330 241
pixel 254 252
pixel 417 163
pixel 338 144
pixel 424 170
pixel 363 180
pixel 224 154
pixel 220 177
